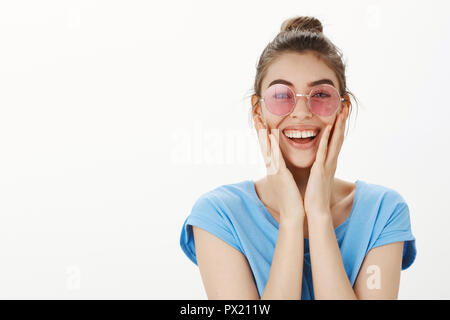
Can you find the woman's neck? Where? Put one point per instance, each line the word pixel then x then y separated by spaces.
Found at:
pixel 301 177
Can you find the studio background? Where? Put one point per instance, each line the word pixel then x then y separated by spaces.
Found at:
pixel 115 116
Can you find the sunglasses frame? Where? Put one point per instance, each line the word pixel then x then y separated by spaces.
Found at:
pixel 305 95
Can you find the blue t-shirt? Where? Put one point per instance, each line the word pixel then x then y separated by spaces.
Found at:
pixel 235 214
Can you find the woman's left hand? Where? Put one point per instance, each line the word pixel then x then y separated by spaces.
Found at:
pixel 321 178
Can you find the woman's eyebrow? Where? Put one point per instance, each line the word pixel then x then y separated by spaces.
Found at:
pixel 311 84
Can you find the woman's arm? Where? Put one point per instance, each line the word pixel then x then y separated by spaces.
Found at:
pixel 286 272
pixel 226 273
pixel 379 276
pixel 330 281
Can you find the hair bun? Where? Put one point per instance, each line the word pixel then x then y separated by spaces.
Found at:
pixel 304 23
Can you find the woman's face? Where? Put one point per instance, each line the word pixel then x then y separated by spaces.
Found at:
pixel 300 70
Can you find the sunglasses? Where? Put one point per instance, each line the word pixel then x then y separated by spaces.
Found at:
pixel 323 100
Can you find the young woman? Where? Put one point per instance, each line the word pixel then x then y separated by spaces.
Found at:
pixel 300 232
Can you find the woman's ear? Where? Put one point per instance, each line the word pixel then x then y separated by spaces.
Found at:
pixel 346 103
pixel 258 117
pixel 347 100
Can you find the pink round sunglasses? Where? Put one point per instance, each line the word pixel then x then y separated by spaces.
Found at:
pixel 323 100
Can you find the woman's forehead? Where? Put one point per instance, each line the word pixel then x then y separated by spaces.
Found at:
pixel 300 70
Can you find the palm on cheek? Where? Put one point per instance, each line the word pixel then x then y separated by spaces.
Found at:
pixel 319 188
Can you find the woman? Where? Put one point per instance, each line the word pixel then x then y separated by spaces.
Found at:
pixel 300 233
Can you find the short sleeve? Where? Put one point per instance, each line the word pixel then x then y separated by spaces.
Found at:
pixel 207 215
pixel 398 228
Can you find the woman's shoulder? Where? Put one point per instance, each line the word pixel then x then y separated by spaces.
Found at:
pixel 380 192
pixel 380 203
pixel 227 194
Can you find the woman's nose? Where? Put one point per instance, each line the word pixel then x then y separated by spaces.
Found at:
pixel 301 108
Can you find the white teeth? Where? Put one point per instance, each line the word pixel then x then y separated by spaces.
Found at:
pixel 299 134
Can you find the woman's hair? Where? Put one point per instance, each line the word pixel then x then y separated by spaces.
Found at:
pixel 299 35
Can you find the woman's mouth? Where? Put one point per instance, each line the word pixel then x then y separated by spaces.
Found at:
pixel 301 140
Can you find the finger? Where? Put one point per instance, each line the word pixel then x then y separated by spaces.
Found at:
pixel 264 145
pixel 263 140
pixel 277 157
pixel 322 149
pixel 337 138
pixel 276 134
pixel 274 163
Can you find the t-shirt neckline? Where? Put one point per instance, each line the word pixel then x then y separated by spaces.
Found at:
pixel 252 188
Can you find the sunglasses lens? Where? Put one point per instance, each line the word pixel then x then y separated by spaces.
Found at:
pixel 324 100
pixel 279 99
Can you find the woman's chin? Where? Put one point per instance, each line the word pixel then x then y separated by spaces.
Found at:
pixel 303 162
pixel 298 158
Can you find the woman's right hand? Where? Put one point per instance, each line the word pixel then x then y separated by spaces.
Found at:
pixel 281 183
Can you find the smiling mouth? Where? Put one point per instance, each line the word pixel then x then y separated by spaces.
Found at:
pixel 302 140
